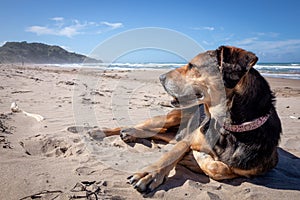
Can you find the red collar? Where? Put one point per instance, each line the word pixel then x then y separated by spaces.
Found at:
pixel 247 126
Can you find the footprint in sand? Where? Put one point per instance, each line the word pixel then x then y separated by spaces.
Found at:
pixel 52 146
pixel 92 131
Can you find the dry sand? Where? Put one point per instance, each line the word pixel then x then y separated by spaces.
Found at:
pixel 44 160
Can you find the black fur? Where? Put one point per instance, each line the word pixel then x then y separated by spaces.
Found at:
pixel 251 149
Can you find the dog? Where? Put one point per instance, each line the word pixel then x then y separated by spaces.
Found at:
pixel 224 123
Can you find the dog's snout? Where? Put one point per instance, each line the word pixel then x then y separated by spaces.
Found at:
pixel 162 78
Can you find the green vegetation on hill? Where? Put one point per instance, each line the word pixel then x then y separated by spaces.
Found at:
pixel 38 53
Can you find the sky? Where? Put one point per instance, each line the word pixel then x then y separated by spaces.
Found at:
pixel 270 29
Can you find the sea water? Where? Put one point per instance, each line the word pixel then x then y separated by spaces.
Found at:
pixel 279 70
pixel 275 70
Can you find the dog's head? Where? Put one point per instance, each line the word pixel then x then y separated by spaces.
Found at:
pixel 203 79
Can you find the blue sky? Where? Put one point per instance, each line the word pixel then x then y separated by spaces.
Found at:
pixel 271 29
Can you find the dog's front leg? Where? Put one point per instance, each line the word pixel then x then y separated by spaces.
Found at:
pixel 158 128
pixel 152 176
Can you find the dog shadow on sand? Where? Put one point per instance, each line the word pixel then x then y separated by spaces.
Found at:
pixel 285 176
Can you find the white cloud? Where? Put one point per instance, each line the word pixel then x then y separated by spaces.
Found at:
pixel 267 34
pixel 228 38
pixel 41 30
pixel 68 31
pixel 59 21
pixel 204 28
pixel 247 41
pixel 57 18
pixel 272 50
pixel 112 25
pixel 59 29
pixel 209 28
pixel 207 43
pixel 72 28
pixel 271 46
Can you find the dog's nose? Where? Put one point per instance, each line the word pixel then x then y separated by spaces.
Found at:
pixel 162 78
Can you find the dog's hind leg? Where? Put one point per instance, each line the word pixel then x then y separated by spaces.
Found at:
pixel 190 162
pixel 216 170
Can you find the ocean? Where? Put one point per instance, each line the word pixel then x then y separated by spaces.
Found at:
pixel 279 70
pixel 275 70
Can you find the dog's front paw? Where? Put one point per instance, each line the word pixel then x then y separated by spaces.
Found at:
pixel 127 135
pixel 96 133
pixel 145 182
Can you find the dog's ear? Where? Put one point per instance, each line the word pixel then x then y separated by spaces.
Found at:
pixel 234 64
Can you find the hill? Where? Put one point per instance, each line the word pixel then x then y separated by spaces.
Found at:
pixel 39 53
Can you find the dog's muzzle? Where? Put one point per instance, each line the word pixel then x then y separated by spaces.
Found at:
pixel 180 98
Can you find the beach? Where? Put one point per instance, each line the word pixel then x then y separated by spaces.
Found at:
pixel 48 159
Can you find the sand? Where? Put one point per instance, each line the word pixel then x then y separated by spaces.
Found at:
pixel 44 160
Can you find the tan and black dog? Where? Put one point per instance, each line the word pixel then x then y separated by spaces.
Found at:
pixel 224 122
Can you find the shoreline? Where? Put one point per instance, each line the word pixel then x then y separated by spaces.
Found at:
pixel 44 156
pixel 78 67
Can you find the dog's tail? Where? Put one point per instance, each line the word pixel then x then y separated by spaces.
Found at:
pixel 15 108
